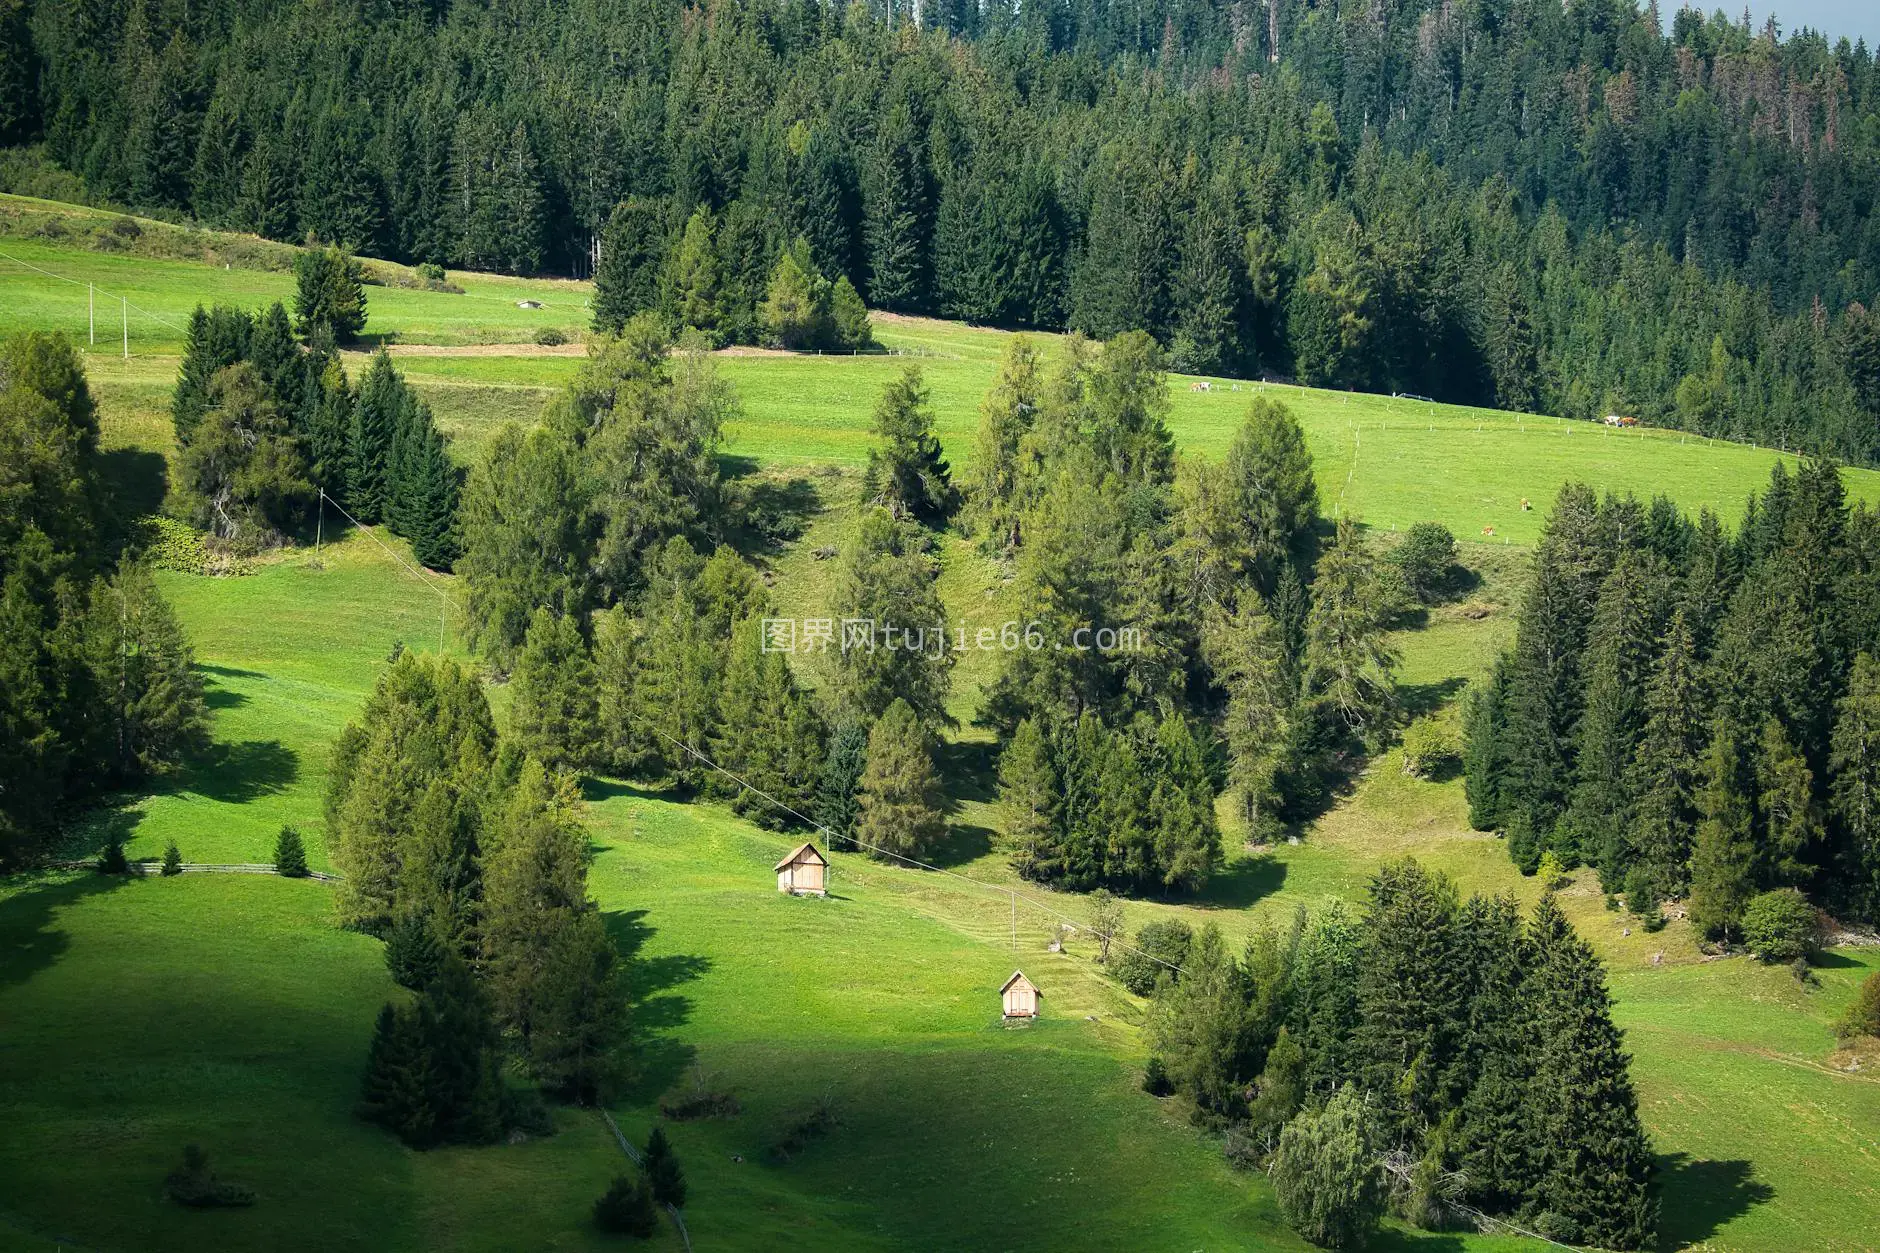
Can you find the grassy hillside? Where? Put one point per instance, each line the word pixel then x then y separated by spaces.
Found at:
pixel 228 1010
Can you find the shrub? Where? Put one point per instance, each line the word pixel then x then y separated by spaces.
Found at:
pixel 812 1125
pixel 1155 1080
pixel 431 274
pixel 1781 926
pixel 1138 968
pixel 1430 748
pixel 195 1185
pixel 1326 1173
pixel 1427 558
pixel 1551 871
pixel 172 860
pixel 1863 1016
pixel 112 861
pixel 550 337
pixel 626 1209
pixel 171 544
pixel 1241 1147
pixel 290 855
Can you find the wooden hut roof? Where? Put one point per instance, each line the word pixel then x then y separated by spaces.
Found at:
pixel 797 855
pixel 1016 976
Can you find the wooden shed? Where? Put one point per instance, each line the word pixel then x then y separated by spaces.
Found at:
pixel 804 872
pixel 1021 996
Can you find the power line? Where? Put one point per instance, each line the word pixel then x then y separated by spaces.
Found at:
pixel 78 283
pixel 834 837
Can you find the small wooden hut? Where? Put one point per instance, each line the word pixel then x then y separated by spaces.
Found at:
pixel 804 872
pixel 1021 996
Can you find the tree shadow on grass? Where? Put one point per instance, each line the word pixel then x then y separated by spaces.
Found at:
pixel 968 769
pixel 30 940
pixel 1701 1196
pixel 659 1058
pixel 595 790
pixel 963 842
pixel 241 772
pixel 1420 699
pixel 1241 883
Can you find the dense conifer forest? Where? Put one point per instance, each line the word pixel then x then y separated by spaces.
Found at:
pixel 1551 207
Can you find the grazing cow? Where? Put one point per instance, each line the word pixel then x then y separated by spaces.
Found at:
pixel 1201 385
pixel 1488 530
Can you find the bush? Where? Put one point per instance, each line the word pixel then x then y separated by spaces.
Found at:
pixel 431 274
pixel 195 1185
pixel 290 855
pixel 1241 1147
pixel 1551 871
pixel 626 1209
pixel 1863 1016
pixel 812 1125
pixel 1326 1173
pixel 1427 558
pixel 1430 748
pixel 172 860
pixel 1781 926
pixel 1155 1080
pixel 170 544
pixel 1137 967
pixel 550 337
pixel 112 860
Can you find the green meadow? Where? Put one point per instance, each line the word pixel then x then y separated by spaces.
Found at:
pixel 228 1010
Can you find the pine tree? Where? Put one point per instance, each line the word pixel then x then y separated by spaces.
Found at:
pixel 534 888
pixel 1412 996
pixel 895 226
pixel 1791 834
pixel 1350 665
pixel 888 582
pixel 430 496
pixel 1627 622
pixel 580 1020
pixel 695 277
pixel 633 252
pixel 149 713
pixel 626 1209
pixel 1324 1012
pixel 413 956
pixel 396 1089
pixel 552 706
pixel 1203 1029
pixel 1598 1163
pixel 371 477
pixel 1484 750
pixel 906 464
pixel 216 339
pixel 663 1173
pixel 1664 773
pixel 1028 793
pixel 993 491
pixel 290 854
pixel 898 802
pixel 1854 773
pixel 172 860
pixel 795 313
pixel 1247 657
pixel 767 732
pixel 1723 860
pixel 841 777
pixel 329 297
pixel 1270 485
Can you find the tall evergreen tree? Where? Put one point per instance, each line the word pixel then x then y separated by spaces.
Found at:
pixel 910 475
pixel 898 803
pixel 552 706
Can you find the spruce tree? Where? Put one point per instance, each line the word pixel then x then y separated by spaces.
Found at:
pixel 1324 1010
pixel 1723 861
pixel 1791 818
pixel 695 277
pixel 1484 749
pixel 795 312
pixel 329 297
pixel 626 1209
pixel 896 225
pixel 1412 996
pixel 767 733
pixel 1204 1032
pixel 837 785
pixel 1664 774
pixel 993 490
pixel 663 1172
pixel 149 714
pixel 216 339
pixel 552 707
pixel 1622 641
pixel 1270 485
pixel 371 478
pixel 1247 656
pixel 396 1090
pixel 899 798
pixel 580 1021
pixel 534 889
pixel 290 854
pixel 633 250
pixel 172 860
pixel 1854 780
pixel 848 317
pixel 888 581
pixel 906 465
pixel 413 956
pixel 1350 665
pixel 1028 792
pixel 1598 1165
pixel 432 486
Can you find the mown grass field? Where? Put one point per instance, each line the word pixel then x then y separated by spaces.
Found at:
pixel 137 1016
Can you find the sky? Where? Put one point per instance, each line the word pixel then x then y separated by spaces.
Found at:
pixel 1854 18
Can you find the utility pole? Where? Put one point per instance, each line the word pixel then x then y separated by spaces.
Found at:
pixel 126 310
pixel 91 312
pixel 1015 922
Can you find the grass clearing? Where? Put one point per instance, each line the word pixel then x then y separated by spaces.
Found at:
pixel 145 1014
